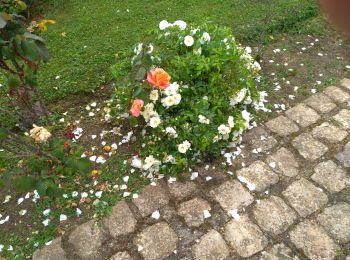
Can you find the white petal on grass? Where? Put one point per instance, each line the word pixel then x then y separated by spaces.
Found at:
pixel 20 200
pixel 22 212
pixel 98 194
pixel 272 164
pixel 194 175
pixel 63 217
pixel 7 199
pixel 46 222
pixel 78 212
pixel 126 178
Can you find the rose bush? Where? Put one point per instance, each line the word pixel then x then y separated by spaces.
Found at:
pixel 192 90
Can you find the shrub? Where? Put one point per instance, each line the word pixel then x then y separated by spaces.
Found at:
pixel 192 91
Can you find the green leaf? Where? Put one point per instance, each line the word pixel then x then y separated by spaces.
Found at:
pixel 43 52
pixel 137 92
pixel 30 50
pixel 138 73
pixel 33 37
pixel 7 53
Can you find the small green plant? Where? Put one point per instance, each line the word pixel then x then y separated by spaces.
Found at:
pixel 191 90
pixel 21 53
pixel 12 6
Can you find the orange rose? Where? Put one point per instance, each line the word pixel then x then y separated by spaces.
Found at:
pixel 136 107
pixel 158 78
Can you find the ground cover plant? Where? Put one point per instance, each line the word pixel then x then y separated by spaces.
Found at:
pixel 191 88
pixel 294 50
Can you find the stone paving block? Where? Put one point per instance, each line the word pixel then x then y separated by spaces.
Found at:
pixel 336 221
pixel 192 211
pixel 152 198
pixel 345 83
pixel 314 241
pixel 283 162
pixel 321 103
pixel 52 251
pixel 258 174
pixel 121 256
pixel 273 215
pixel 329 132
pixel 337 94
pixel 278 252
pixel 245 237
pixel 156 242
pixel 308 147
pixel 305 197
pixel 181 190
pixel 344 156
pixel 282 126
pixel 259 138
pixel 343 118
pixel 87 240
pixel 211 247
pixel 121 221
pixel 232 195
pixel 302 115
pixel 331 176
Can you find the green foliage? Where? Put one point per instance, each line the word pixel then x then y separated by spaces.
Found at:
pixel 12 6
pixel 202 109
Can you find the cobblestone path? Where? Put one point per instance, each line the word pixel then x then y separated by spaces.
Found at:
pixel 291 200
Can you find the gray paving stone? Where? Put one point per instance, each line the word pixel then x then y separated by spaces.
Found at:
pixel 302 115
pixel 232 195
pixel 211 247
pixel 331 176
pixel 121 256
pixel 345 83
pixel 181 190
pixel 258 174
pixel 192 211
pixel 343 118
pixel 283 162
pixel 121 221
pixel 336 221
pixel 344 156
pixel 244 236
pixel 282 126
pixel 278 252
pixel 313 241
pixel 152 198
pixel 53 251
pixel 87 240
pixel 337 94
pixel 329 132
pixel 321 103
pixel 156 242
pixel 308 147
pixel 259 138
pixel 305 197
pixel 273 215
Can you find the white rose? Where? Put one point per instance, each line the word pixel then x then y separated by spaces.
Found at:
pixel 203 120
pixel 183 148
pixel 168 101
pixel 154 95
pixel 231 122
pixel 188 41
pixel 180 24
pixel 171 131
pixel 205 37
pixel 172 89
pixel 246 115
pixel 163 25
pixel 224 130
pixel 155 122
pixel 39 134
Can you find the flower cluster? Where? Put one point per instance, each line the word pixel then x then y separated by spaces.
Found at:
pixel 196 96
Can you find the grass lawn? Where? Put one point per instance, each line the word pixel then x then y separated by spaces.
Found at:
pixel 300 55
pixel 98 30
